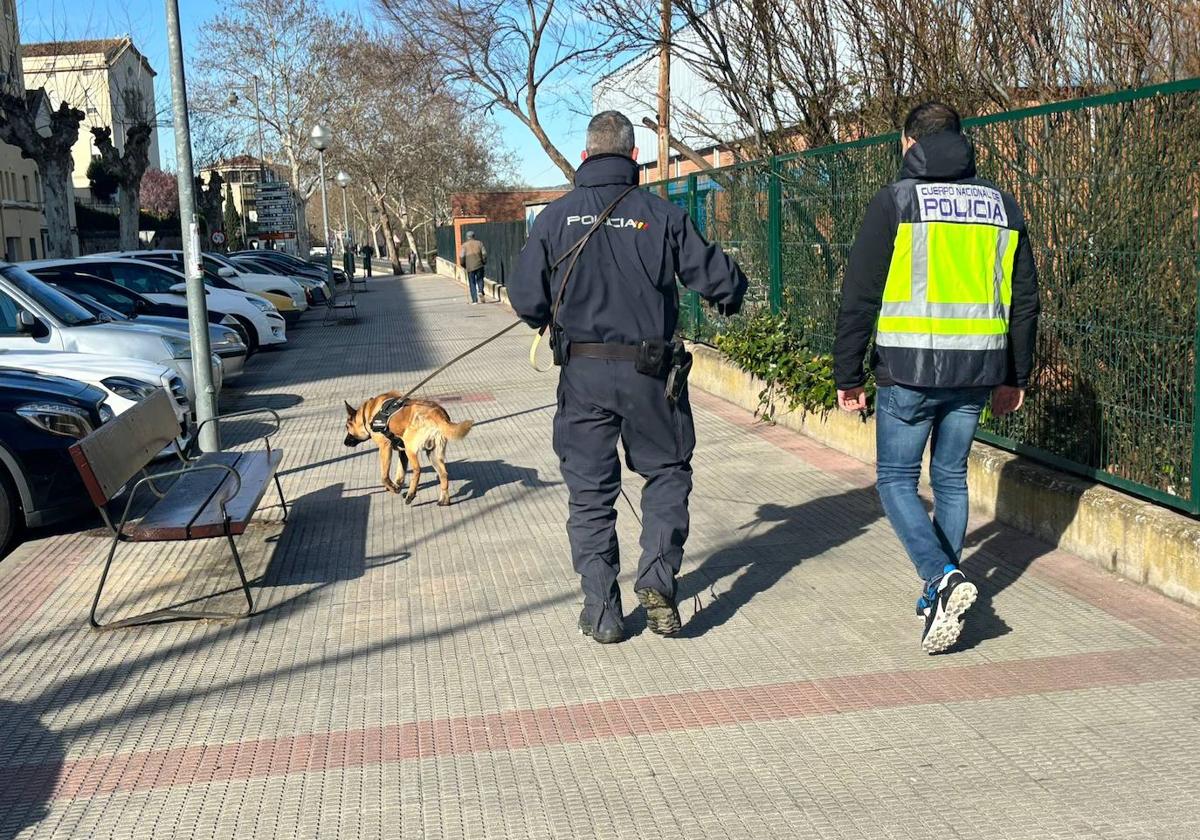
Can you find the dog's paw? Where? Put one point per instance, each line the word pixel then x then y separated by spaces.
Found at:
pixel 408 500
pixel 443 503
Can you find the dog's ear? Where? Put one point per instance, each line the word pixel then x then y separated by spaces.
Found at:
pixel 350 410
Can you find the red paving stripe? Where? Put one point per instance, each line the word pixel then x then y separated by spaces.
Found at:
pixel 584 722
pixel 37 578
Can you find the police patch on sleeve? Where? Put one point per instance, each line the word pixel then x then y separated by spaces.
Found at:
pixel 963 203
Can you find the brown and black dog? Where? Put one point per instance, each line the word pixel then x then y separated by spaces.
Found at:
pixel 418 425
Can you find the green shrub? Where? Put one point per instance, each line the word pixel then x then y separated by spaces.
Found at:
pixel 771 348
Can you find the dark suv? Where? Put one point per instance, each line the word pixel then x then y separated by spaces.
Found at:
pixel 40 417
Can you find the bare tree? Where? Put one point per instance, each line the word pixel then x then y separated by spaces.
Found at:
pixel 406 139
pixel 516 55
pixel 127 168
pixel 286 46
pixel 46 137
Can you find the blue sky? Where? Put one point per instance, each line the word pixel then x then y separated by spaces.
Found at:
pixel 145 21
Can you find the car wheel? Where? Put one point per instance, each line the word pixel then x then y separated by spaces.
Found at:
pixel 10 513
pixel 251 334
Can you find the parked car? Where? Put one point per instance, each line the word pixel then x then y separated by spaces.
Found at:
pixel 216 266
pixel 317 289
pixel 36 316
pixel 261 321
pixel 40 417
pixel 224 343
pixel 295 264
pixel 125 382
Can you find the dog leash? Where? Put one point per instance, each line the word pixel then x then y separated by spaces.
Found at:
pixel 460 357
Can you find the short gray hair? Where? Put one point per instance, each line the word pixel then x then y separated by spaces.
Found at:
pixel 610 133
pixel 470 234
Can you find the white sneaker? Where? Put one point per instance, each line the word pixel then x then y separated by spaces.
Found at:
pixel 944 617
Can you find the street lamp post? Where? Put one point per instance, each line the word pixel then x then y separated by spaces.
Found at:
pixel 320 137
pixel 343 181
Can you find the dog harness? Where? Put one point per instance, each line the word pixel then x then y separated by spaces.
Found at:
pixel 379 423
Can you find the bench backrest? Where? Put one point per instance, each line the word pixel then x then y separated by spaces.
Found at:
pixel 122 447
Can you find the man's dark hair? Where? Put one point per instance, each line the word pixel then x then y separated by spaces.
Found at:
pixel 610 133
pixel 931 118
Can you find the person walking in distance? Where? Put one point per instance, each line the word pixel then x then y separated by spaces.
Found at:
pixel 472 256
pixel 942 275
pixel 599 274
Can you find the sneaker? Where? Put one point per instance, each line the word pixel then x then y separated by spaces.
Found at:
pixel 943 610
pixel 608 628
pixel 662 616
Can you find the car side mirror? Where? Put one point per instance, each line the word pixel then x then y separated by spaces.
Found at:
pixel 179 288
pixel 139 305
pixel 226 272
pixel 26 323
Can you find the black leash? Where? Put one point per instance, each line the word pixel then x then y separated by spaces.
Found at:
pixel 462 356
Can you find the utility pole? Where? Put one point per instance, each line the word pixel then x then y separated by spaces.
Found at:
pixel 206 394
pixel 664 94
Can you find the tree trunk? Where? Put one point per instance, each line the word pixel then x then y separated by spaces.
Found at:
pixel 59 195
pixel 303 243
pixel 385 220
pixel 128 205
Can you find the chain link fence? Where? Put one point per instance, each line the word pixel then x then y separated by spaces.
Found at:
pixel 1110 186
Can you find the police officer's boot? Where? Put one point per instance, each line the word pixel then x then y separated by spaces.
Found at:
pixel 605 624
pixel 662 616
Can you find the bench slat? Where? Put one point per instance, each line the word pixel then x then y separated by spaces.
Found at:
pixel 256 470
pixel 117 451
pixel 172 516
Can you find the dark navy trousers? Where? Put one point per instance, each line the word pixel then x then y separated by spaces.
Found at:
pixel 599 403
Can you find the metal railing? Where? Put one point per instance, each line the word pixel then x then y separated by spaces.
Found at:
pixel 1110 186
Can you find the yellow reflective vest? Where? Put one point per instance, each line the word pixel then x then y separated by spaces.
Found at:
pixel 945 308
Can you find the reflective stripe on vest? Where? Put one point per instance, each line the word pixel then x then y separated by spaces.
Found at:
pixel 949 287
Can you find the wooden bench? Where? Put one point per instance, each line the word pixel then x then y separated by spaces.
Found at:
pixel 338 304
pixel 213 495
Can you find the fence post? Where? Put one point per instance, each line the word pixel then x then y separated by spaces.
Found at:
pixel 1192 501
pixel 775 236
pixel 693 297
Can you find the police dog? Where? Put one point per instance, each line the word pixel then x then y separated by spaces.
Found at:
pixel 418 425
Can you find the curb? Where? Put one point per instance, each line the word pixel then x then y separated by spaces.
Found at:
pixel 1151 545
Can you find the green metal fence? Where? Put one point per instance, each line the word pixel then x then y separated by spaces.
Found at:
pixel 445 243
pixel 503 241
pixel 1110 186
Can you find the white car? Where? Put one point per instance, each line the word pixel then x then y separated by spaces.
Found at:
pixel 260 320
pixel 217 265
pixel 36 316
pixel 125 382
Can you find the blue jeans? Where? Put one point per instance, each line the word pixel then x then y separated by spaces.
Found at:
pixel 906 419
pixel 475 281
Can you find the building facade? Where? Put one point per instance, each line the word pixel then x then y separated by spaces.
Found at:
pixel 22 222
pixel 108 79
pixel 242 174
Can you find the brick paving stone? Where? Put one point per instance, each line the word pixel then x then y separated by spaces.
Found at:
pixel 415 671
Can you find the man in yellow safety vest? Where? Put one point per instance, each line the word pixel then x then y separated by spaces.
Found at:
pixel 942 275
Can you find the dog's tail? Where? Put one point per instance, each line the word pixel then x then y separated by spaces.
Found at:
pixel 457 431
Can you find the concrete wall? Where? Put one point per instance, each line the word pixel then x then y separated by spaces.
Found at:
pixel 1141 541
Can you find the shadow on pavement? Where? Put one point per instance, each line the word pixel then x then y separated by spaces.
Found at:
pixel 478 477
pixel 31 759
pixel 797 534
pixel 324 541
pixel 1004 554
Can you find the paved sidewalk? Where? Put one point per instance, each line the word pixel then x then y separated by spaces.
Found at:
pixel 415 671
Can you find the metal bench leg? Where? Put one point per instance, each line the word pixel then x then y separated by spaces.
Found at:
pixel 282 500
pixel 112 552
pixel 237 561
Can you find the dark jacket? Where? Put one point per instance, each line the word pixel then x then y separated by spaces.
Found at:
pixel 623 288
pixel 946 157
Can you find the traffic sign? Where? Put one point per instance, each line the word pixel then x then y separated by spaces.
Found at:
pixel 218 237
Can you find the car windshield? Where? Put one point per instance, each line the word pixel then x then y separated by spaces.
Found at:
pixel 57 304
pixel 104 313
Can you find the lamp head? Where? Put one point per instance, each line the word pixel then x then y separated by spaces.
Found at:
pixel 320 137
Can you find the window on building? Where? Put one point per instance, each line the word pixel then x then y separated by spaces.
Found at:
pixel 45 241
pixel 33 254
pixel 12 249
pixel 37 182
pixel 235 177
pixel 25 184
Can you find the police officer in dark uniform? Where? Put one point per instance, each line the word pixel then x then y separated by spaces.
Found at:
pixel 611 323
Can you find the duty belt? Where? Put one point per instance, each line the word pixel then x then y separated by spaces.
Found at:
pixel 611 352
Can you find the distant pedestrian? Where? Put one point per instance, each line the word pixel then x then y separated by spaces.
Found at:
pixel 942 274
pixel 412 262
pixel 473 257
pixel 367 252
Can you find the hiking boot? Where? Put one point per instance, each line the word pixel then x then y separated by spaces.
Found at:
pixel 608 628
pixel 662 616
pixel 943 609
